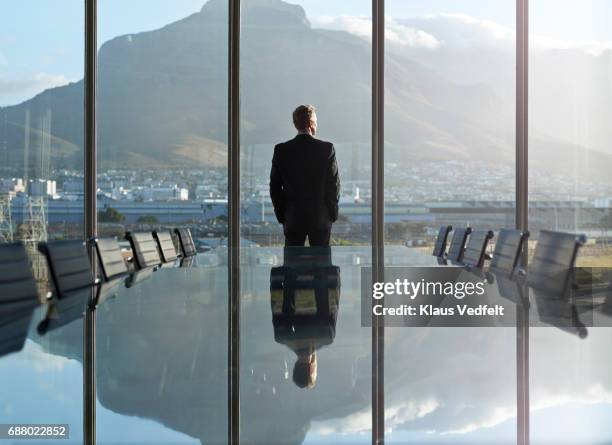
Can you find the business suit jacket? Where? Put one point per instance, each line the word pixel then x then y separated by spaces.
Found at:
pixel 304 184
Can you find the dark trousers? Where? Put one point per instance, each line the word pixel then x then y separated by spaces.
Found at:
pixel 315 238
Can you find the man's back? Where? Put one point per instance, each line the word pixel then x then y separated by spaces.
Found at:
pixel 304 185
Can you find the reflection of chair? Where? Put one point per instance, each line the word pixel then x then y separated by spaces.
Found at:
pixel 17 284
pixel 110 258
pixel 64 311
pixel 138 277
pixel 511 288
pixel 507 252
pixel 440 246
pixel 474 255
pixel 457 245
pixel 561 313
pixel 305 294
pixel 188 247
pixel 550 269
pixel 188 261
pixel 551 279
pixel 144 249
pixel 69 265
pixel 166 246
pixel 18 297
pixel 14 326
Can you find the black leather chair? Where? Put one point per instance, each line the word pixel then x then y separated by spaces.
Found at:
pixel 440 246
pixel 110 258
pixel 551 268
pixel 69 265
pixel 474 254
pixel 17 285
pixel 144 249
pixel 188 247
pixel 457 245
pixel 166 246
pixel 507 252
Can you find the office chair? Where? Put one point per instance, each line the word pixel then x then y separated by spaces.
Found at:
pixel 440 246
pixel 109 255
pixel 17 285
pixel 507 252
pixel 550 269
pixel 457 245
pixel 475 252
pixel 188 247
pixel 166 246
pixel 69 265
pixel 18 297
pixel 144 249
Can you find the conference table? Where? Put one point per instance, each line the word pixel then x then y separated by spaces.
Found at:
pixel 161 370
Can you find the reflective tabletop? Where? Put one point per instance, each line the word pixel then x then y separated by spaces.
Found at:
pixel 305 364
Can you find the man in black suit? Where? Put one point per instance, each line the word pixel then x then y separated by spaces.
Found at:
pixel 304 183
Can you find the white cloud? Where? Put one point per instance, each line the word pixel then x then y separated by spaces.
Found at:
pixel 359 26
pixel 456 382
pixel 471 31
pixel 408 36
pixel 592 47
pixel 452 30
pixel 13 91
pixel 362 27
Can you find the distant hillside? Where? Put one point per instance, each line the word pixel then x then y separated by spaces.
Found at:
pixel 162 97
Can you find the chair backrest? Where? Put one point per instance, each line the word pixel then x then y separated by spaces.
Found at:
pixel 475 251
pixel 166 246
pixel 69 265
pixel 440 246
pixel 551 267
pixel 507 252
pixel 110 257
pixel 457 245
pixel 16 281
pixel 144 249
pixel 186 241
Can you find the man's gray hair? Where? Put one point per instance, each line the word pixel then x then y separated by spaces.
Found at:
pixel 303 116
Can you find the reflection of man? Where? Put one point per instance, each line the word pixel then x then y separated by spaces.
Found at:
pixel 304 298
pixel 305 369
pixel 304 183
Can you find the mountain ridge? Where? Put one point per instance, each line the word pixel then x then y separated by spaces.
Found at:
pixel 162 95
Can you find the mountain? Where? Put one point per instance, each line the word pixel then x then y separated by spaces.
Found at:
pixel 162 98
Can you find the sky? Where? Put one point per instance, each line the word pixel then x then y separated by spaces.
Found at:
pixel 41 42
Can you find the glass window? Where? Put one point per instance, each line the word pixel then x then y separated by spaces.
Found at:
pixel 41 122
pixel 570 101
pixel 162 164
pixel 305 378
pixel 41 198
pixel 162 118
pixel 449 160
pixel 315 53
